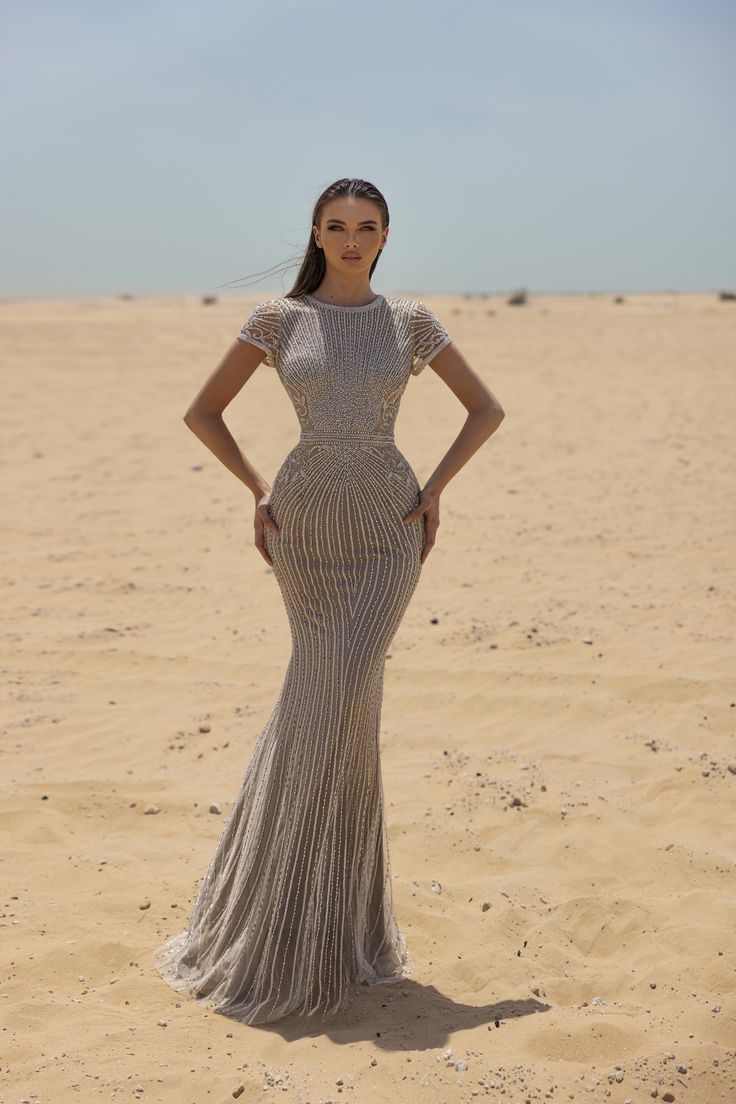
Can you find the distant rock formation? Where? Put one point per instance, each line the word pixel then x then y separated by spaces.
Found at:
pixel 208 300
pixel 727 296
pixel 517 298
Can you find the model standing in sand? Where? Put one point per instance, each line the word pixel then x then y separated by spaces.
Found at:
pixel 296 905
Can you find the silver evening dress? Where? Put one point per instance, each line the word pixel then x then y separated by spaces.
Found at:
pixel 296 906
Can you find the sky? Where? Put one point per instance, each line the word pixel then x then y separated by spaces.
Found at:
pixel 174 147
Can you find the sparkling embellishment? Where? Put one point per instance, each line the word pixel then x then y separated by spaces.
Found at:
pixel 296 905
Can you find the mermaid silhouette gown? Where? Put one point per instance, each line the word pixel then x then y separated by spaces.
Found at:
pixel 296 906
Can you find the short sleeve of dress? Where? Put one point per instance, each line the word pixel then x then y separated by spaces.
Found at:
pixel 428 335
pixel 263 328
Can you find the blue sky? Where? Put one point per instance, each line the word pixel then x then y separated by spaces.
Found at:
pixel 171 147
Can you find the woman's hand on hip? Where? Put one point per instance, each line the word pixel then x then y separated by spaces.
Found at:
pixel 263 521
pixel 429 505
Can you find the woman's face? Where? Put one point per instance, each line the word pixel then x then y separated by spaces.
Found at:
pixel 350 233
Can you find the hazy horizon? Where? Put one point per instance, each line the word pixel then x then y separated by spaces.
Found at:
pixel 416 289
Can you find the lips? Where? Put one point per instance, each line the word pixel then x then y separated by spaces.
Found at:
pixel 351 256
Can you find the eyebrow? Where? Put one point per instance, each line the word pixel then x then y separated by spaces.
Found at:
pixel 363 223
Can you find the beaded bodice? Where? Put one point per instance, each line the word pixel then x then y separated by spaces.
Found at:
pixel 345 368
pixel 296 906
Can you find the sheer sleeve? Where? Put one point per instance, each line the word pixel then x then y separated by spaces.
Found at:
pixel 263 328
pixel 428 335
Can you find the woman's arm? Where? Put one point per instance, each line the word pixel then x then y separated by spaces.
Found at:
pixel 204 414
pixel 204 418
pixel 485 414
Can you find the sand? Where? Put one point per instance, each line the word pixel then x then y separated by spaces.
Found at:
pixel 558 721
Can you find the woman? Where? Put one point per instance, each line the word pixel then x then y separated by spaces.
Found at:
pixel 296 905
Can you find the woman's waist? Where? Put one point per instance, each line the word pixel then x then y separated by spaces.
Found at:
pixel 339 436
pixel 318 454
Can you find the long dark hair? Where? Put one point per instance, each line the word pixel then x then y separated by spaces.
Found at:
pixel 313 266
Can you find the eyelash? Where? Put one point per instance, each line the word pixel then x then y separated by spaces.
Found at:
pixel 340 228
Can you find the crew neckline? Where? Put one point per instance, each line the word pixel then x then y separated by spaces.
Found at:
pixel 339 306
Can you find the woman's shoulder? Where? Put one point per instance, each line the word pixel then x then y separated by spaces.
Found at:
pixel 405 303
pixel 283 305
pixel 416 310
pixel 266 310
pixel 402 305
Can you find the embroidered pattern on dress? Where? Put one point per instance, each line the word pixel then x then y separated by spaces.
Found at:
pixel 429 336
pixel 259 942
pixel 263 329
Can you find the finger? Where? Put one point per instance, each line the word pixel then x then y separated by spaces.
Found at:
pixel 266 519
pixel 261 548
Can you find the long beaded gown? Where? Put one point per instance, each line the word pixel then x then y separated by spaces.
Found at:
pixel 296 906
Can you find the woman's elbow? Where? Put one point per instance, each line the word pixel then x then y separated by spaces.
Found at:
pixel 194 414
pixel 492 412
